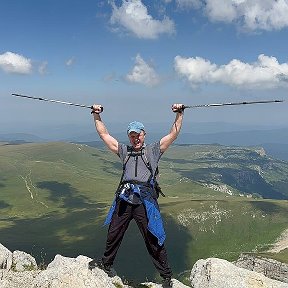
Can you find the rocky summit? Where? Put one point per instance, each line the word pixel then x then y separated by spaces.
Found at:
pixel 19 269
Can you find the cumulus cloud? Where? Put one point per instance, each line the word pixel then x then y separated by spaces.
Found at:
pixel 133 17
pixel 143 73
pixel 266 72
pixel 14 63
pixel 249 14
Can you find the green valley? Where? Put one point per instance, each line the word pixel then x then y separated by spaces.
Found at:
pixel 220 201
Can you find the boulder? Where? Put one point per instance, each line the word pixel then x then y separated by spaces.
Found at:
pixel 64 272
pixel 22 261
pixel 219 273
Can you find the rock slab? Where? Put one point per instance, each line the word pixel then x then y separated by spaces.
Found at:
pixel 219 273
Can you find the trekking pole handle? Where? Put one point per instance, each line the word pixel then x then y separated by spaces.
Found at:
pixel 94 112
pixel 179 110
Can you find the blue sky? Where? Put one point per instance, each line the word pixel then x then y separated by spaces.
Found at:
pixel 136 58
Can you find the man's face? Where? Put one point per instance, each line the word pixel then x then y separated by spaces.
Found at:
pixel 136 139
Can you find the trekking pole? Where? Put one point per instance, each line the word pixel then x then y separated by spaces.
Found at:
pixel 233 104
pixel 55 101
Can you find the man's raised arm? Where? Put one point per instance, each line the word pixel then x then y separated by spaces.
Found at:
pixel 167 140
pixel 110 141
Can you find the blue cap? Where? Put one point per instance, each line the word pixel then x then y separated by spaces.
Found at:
pixel 135 127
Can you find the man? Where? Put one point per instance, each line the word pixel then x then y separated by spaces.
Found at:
pixel 136 196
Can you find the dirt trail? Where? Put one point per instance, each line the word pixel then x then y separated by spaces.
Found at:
pixel 281 243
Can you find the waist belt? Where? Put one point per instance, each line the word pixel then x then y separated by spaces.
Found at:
pixel 130 193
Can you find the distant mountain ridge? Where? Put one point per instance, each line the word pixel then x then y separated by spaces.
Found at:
pixel 87 132
pixel 242 138
pixel 275 141
pixel 21 137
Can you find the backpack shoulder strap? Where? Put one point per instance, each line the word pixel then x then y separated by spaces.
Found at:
pixel 147 159
pixel 154 170
pixel 127 157
pixel 147 154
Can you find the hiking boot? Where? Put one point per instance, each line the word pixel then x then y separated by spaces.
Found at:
pixel 167 283
pixel 105 267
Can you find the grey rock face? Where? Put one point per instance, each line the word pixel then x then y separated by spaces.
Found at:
pixel 270 268
pixel 10 279
pixel 218 273
pixel 5 258
pixel 62 272
pixel 19 269
pixel 74 273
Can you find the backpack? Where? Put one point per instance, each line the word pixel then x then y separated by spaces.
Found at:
pixel 145 154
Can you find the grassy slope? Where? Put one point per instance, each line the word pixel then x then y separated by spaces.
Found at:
pixel 72 187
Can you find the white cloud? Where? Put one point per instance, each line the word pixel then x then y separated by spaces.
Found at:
pixel 143 73
pixel 133 17
pixel 225 11
pixel 189 3
pixel 249 14
pixel 43 68
pixel 266 72
pixel 111 77
pixel 15 63
pixel 70 61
